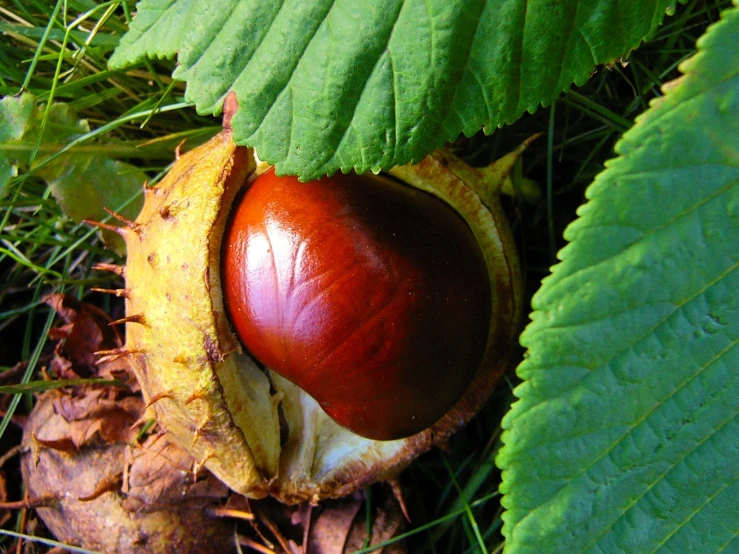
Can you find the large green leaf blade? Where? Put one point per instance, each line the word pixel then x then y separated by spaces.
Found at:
pixel 337 84
pixel 625 437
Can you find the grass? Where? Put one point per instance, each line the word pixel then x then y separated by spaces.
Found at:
pixel 58 51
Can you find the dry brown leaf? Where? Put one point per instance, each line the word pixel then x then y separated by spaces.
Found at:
pixel 91 510
pixel 110 483
pixel 81 449
pixel 106 413
pixel 331 527
pixel 85 332
pixel 388 522
pixel 159 477
pixel 111 420
pixel 332 523
pixel 160 473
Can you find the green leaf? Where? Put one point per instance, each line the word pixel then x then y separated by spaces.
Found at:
pixel 625 437
pixel 7 172
pixel 83 183
pixel 14 114
pixel 340 84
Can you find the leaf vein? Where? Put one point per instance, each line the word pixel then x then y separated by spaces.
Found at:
pixel 663 110
pixel 693 514
pixel 144 34
pixel 607 451
pixel 520 62
pixel 211 38
pixel 609 529
pixel 565 45
pixel 650 331
pixel 451 105
pixel 345 132
pixel 647 234
pixel 289 79
pixel 556 440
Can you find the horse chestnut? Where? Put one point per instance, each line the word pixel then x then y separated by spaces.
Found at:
pixel 393 307
pixel 371 296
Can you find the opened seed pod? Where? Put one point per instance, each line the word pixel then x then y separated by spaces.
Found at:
pixel 322 323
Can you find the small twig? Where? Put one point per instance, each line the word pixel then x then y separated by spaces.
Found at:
pixel 37 502
pixel 254 545
pixel 275 532
pixel 256 527
pixel 13 372
pixel 222 511
pixel 10 453
pixel 306 529
pixel 22 528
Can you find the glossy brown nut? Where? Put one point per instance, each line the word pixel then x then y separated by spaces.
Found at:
pixel 371 296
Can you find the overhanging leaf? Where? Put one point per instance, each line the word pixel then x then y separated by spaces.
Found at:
pixel 83 183
pixel 626 437
pixel 340 84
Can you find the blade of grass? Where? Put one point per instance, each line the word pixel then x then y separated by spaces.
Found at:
pixel 467 508
pixel 42 42
pixel 10 411
pixel 426 526
pixel 597 111
pixel 42 386
pixel 47 542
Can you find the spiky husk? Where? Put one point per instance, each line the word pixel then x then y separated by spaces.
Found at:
pixel 256 431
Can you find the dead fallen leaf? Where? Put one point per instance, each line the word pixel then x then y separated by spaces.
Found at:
pixel 92 414
pixel 108 469
pixel 331 527
pixel 332 523
pixel 90 510
pixel 65 444
pixel 388 522
pixel 160 473
pixel 110 483
pixel 105 413
pixel 85 332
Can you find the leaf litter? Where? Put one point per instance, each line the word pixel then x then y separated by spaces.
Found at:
pixel 91 457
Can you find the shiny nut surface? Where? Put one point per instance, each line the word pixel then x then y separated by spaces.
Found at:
pixel 371 296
